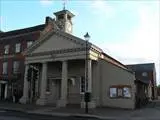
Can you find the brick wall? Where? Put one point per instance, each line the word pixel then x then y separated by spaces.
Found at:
pixel 11 40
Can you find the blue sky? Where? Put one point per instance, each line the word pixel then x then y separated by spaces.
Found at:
pixel 126 30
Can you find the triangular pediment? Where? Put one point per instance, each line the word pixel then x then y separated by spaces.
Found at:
pixel 53 41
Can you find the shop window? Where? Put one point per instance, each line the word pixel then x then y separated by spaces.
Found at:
pixel 113 92
pixel 127 92
pixel 120 91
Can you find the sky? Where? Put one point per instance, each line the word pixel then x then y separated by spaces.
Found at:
pixel 128 30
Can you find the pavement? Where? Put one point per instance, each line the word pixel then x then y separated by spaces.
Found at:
pixel 149 112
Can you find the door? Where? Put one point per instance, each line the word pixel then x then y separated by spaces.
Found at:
pixel 2 91
pixel 55 90
pixel 74 91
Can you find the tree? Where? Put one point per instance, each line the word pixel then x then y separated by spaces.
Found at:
pixel 158 86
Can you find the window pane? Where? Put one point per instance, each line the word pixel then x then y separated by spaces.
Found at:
pixel 18 47
pixel 120 92
pixel 82 85
pixel 113 92
pixel 6 49
pixel 5 66
pixel 127 92
pixel 29 43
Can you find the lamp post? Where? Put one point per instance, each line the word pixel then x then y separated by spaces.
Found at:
pixel 87 94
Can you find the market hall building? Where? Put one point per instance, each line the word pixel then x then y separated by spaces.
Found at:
pixel 61 60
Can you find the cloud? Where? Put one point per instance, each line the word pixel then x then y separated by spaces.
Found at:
pixel 101 7
pixel 46 2
pixel 102 10
pixel 142 44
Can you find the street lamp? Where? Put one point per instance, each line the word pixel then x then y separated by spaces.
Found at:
pixel 87 94
pixel 87 37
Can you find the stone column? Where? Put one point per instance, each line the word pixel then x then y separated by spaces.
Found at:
pixel 24 98
pixel 63 96
pixel 42 99
pixel 89 76
pixel 90 85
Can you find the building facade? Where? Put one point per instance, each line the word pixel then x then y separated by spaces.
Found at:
pixel 69 66
pixel 12 44
pixel 146 73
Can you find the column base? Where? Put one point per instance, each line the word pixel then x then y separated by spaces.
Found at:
pixel 61 103
pixel 41 101
pixel 91 104
pixel 24 100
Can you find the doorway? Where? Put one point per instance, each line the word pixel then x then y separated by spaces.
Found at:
pixel 2 91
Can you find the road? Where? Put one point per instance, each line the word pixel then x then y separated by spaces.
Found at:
pixel 150 112
pixel 13 115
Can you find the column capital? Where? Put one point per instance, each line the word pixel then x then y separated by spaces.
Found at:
pixel 44 62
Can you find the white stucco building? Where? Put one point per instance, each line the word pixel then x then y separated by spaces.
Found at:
pixel 60 58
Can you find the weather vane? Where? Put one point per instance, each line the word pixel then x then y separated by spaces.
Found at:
pixel 64 4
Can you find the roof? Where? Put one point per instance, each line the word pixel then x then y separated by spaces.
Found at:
pixel 64 11
pixel 117 63
pixel 142 67
pixel 21 31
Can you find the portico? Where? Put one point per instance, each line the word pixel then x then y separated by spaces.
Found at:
pixel 69 73
pixel 63 69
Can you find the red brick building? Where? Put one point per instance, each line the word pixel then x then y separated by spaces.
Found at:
pixel 12 44
pixel 147 74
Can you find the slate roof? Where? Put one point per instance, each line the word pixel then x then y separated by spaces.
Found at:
pixel 142 67
pixel 21 31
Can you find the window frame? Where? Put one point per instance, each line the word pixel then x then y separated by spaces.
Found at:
pixel 6 49
pixel 6 68
pixel 17 47
pixel 28 45
pixel 120 87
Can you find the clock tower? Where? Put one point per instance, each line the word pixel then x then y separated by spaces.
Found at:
pixel 64 20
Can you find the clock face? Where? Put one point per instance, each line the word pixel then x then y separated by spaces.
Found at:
pixel 144 74
pixel 60 25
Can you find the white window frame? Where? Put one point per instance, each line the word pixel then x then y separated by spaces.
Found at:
pixel 29 43
pixel 5 67
pixel 17 47
pixel 6 49
pixel 16 65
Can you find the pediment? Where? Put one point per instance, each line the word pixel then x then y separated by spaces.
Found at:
pixel 53 42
